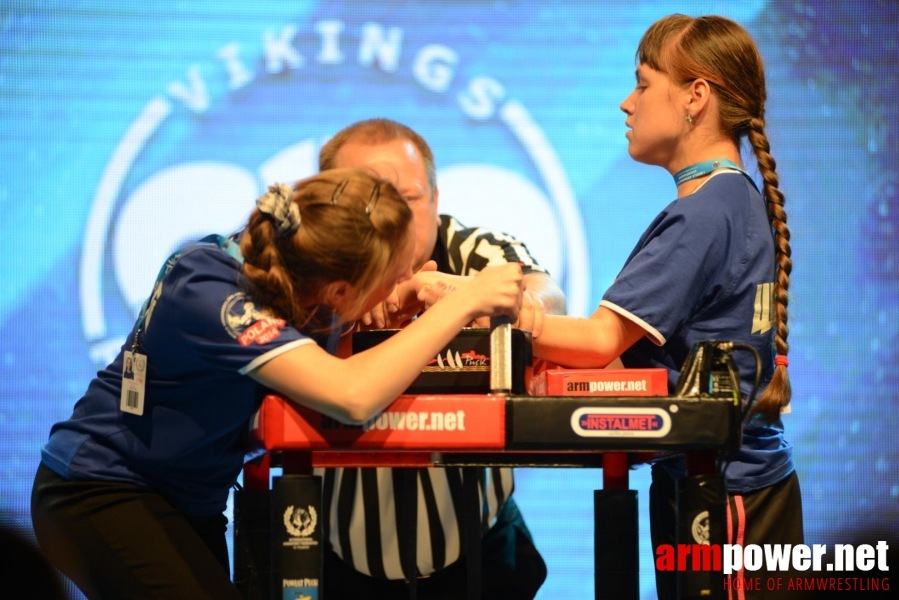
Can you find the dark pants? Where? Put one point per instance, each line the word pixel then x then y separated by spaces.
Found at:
pixel 511 569
pixel 119 540
pixel 771 515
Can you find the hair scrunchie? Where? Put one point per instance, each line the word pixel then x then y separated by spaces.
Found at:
pixel 278 204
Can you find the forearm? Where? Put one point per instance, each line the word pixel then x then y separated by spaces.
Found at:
pixel 586 343
pixel 358 387
pixel 572 342
pixel 377 376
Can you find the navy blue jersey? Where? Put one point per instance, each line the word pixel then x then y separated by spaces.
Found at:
pixel 704 269
pixel 202 335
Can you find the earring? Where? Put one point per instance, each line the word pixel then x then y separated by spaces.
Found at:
pixel 689 119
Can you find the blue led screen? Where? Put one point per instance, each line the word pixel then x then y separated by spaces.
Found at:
pixel 128 128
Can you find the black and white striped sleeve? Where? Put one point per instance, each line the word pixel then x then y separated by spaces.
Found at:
pixel 470 249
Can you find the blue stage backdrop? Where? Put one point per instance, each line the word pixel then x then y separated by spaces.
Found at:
pixel 128 128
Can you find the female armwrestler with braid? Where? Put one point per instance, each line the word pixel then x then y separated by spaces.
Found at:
pixel 714 264
pixel 129 498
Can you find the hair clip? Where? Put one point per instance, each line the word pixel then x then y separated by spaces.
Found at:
pixel 338 191
pixel 373 199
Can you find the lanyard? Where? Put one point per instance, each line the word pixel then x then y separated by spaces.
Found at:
pixel 227 245
pixel 704 168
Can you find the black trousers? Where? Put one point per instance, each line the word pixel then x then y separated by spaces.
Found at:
pixel 771 515
pixel 117 540
pixel 511 569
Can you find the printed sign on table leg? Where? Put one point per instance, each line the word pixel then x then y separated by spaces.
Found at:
pixel 297 525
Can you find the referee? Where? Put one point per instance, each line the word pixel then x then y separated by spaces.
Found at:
pixel 364 514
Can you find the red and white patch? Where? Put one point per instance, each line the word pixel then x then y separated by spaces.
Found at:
pixel 261 332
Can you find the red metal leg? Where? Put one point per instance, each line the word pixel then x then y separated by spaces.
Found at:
pixel 615 469
pixel 256 476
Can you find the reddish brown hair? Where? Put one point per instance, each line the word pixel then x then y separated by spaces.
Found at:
pixel 352 224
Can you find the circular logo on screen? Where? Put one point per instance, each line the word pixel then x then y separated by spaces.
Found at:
pixel 200 152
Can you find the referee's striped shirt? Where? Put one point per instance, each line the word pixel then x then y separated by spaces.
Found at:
pixel 361 505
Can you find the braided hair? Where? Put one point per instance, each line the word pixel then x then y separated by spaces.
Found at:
pixel 350 227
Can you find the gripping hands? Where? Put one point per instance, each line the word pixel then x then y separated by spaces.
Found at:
pixel 495 291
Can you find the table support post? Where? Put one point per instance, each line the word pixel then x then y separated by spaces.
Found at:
pixel 297 524
pixel 252 533
pixel 616 569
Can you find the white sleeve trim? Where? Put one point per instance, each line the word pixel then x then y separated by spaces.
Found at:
pixel 261 360
pixel 651 332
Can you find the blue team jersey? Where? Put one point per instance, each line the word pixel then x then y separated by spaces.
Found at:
pixel 201 336
pixel 704 269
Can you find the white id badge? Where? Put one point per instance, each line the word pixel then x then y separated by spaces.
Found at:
pixel 134 374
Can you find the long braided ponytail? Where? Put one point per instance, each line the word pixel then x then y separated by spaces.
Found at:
pixel 778 392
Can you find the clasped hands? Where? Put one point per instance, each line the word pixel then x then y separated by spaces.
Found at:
pixel 428 286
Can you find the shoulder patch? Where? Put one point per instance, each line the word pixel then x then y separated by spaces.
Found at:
pixel 246 323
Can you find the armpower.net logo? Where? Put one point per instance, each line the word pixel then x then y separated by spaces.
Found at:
pixel 784 568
